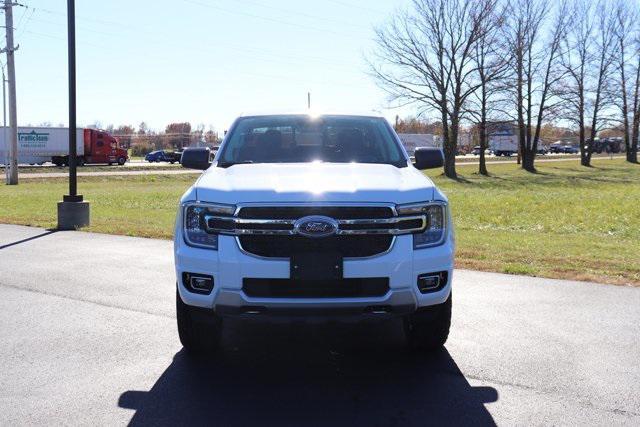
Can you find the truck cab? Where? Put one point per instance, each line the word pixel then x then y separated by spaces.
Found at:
pixel 101 147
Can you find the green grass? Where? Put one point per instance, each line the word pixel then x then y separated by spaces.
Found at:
pixel 564 222
pixel 142 205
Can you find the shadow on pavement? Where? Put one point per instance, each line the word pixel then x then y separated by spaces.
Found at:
pixel 330 375
pixel 46 233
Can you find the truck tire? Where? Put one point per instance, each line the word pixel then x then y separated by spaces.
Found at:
pixel 81 161
pixel 199 329
pixel 428 328
pixel 121 161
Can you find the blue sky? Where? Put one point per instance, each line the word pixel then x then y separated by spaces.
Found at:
pixel 202 61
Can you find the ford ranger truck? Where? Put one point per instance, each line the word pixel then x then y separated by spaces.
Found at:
pixel 313 217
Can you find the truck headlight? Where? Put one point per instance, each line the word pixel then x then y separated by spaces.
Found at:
pixel 436 230
pixel 195 233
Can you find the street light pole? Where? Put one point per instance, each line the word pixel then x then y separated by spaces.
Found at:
pixel 73 211
pixel 73 195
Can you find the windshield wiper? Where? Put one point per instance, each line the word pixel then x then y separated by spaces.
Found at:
pixel 222 164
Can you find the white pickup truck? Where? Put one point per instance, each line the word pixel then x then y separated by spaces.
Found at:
pixel 313 217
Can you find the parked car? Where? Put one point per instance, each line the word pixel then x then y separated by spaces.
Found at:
pixel 607 145
pixel 156 156
pixel 174 156
pixel 570 149
pixel 163 156
pixel 542 151
pixel 555 148
pixel 313 217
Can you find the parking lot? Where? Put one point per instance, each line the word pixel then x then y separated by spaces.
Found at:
pixel 89 338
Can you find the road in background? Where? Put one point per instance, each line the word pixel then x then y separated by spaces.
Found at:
pixel 89 337
pixel 168 169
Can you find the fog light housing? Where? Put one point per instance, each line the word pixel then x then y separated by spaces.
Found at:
pixel 432 282
pixel 198 283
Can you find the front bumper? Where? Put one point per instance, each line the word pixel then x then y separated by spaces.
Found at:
pixel 229 265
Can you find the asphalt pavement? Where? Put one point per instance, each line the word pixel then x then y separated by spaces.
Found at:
pixel 89 337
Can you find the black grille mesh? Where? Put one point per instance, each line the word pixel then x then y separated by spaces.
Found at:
pixel 348 246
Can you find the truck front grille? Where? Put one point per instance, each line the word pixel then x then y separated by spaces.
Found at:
pixel 278 231
pixel 340 288
pixel 349 246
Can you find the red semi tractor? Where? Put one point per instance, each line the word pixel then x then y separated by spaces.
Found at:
pixel 97 147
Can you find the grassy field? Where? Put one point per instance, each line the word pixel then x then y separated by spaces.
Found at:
pixel 564 222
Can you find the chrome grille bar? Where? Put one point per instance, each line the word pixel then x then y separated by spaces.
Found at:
pixel 245 226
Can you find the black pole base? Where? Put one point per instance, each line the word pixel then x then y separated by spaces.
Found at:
pixel 68 198
pixel 73 215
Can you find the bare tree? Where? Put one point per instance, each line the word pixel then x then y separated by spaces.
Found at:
pixel 424 57
pixel 628 63
pixel 587 57
pixel 490 61
pixel 534 59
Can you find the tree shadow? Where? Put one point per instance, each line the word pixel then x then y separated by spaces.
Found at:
pixel 312 375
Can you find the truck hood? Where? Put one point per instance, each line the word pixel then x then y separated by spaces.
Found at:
pixel 313 182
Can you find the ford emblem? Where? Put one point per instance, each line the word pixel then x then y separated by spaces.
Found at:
pixel 315 226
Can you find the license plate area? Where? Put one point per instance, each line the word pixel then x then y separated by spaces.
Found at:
pixel 316 266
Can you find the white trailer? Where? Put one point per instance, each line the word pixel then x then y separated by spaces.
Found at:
pixel 503 143
pixel 411 141
pixel 37 145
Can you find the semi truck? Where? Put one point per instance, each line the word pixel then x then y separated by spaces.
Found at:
pixel 38 145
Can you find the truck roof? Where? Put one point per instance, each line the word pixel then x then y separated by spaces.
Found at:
pixel 312 113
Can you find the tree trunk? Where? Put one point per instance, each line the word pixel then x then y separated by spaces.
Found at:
pixel 584 160
pixel 483 146
pixel 632 154
pixel 528 158
pixel 632 148
pixel 450 153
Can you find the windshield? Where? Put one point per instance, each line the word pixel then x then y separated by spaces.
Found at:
pixel 300 138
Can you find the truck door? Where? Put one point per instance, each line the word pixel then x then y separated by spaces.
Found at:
pixel 113 157
pixel 99 154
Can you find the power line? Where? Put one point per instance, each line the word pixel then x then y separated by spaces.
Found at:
pixel 100 21
pixel 353 6
pixel 269 19
pixel 306 15
pixel 21 30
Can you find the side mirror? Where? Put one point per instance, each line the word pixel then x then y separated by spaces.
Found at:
pixel 196 158
pixel 428 158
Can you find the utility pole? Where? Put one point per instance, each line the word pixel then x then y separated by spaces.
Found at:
pixel 12 175
pixel 308 100
pixel 4 118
